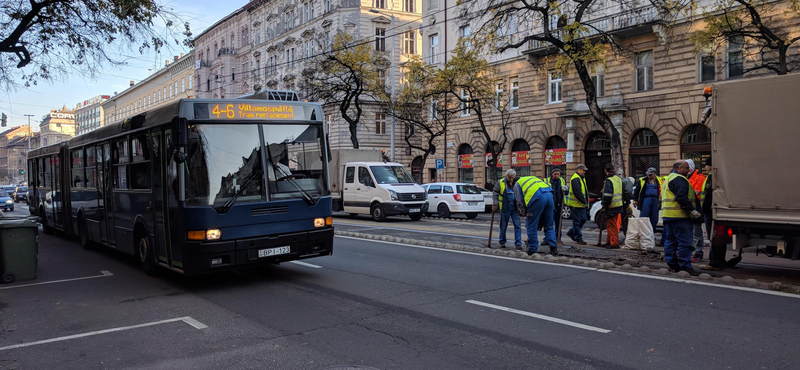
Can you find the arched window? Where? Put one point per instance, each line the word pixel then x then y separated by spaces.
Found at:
pixel 597 154
pixel 465 164
pixel 555 155
pixel 696 144
pixel 495 172
pixel 520 157
pixel 644 153
pixel 416 169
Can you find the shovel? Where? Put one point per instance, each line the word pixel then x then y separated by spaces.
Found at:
pixel 491 228
pixel 602 220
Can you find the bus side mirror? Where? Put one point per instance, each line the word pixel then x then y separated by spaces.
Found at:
pixel 179 127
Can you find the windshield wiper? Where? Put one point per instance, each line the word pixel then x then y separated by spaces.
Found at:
pixel 306 196
pixel 245 183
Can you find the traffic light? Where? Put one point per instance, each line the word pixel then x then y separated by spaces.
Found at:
pixel 4 120
pixel 21 171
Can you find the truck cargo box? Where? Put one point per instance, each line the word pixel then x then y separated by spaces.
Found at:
pixel 756 151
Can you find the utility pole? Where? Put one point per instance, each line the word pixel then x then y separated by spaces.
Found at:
pixel 30 133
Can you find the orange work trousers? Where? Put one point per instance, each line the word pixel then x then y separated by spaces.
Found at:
pixel 612 227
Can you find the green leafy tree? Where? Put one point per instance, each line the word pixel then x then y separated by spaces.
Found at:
pixel 48 39
pixel 757 23
pixel 564 26
pixel 344 75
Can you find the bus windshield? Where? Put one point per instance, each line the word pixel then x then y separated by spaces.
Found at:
pixel 226 163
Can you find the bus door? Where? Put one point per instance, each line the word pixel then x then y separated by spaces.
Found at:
pixel 101 184
pixel 172 221
pixel 160 208
pixel 108 195
pixel 57 197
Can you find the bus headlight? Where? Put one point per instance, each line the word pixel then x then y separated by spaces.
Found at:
pixel 210 234
pixel 213 234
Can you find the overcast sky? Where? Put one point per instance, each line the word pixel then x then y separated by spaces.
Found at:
pixel 38 100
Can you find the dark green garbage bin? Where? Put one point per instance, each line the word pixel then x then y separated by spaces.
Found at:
pixel 19 246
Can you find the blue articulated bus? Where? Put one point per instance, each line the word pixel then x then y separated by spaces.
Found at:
pixel 195 186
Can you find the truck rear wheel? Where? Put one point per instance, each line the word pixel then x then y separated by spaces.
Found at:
pixel 416 217
pixel 471 216
pixel 377 212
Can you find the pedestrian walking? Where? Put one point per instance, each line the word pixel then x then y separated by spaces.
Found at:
pixel 557 184
pixel 647 197
pixel 535 201
pixel 679 213
pixel 696 179
pixel 578 201
pixel 504 200
pixel 612 206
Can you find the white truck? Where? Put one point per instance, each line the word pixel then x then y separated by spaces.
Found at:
pixel 362 183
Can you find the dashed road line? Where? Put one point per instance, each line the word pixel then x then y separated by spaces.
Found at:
pixel 306 264
pixel 541 317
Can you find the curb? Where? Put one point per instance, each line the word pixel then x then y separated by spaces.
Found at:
pixel 619 266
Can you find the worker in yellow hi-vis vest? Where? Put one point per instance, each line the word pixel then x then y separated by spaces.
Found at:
pixel 535 200
pixel 612 206
pixel 679 213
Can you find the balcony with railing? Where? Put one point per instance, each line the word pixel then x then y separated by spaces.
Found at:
pixel 226 51
pixel 625 24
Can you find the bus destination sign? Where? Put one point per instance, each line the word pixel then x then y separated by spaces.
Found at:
pixel 248 111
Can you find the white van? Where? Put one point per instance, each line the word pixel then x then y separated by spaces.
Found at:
pixel 382 189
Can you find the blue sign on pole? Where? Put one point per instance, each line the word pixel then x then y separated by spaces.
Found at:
pixel 440 164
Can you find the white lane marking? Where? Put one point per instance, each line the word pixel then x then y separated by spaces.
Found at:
pixel 664 278
pixel 104 274
pixel 306 264
pixel 194 323
pixel 677 280
pixel 473 253
pixel 541 317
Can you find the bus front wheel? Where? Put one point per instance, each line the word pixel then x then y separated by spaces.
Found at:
pixel 146 254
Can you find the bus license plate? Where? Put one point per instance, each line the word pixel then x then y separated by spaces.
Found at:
pixel 273 251
pixel 413 210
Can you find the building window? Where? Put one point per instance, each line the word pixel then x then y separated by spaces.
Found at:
pixel 306 12
pixel 463 34
pixel 434 48
pixel 599 80
pixel 310 10
pixel 380 39
pixel 735 57
pixel 465 164
pixel 498 96
pixel 410 42
pixel 464 104
pixel 644 152
pixel 379 4
pixel 408 6
pixel 183 85
pixel 514 98
pixel 328 6
pixel 258 69
pixel 554 88
pixel 644 71
pixel 381 77
pixel 233 75
pixel 380 123
pixel 707 67
pixel 434 114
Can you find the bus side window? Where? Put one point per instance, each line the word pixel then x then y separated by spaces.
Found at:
pixel 350 175
pixel 119 158
pixel 140 163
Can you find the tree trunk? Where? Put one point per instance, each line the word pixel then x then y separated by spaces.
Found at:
pixel 599 115
pixel 783 68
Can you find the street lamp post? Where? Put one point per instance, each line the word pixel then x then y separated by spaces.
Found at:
pixel 392 76
pixel 29 131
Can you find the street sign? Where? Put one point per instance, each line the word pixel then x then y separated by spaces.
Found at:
pixel 440 164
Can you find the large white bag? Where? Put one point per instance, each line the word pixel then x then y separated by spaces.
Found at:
pixel 647 237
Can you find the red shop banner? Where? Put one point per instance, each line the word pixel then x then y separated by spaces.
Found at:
pixel 499 163
pixel 555 157
pixel 465 161
pixel 520 159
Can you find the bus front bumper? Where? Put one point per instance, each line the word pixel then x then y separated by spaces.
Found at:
pixel 213 256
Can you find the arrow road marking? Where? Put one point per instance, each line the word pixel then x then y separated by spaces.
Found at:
pixel 194 323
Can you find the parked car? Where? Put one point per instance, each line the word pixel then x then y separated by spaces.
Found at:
pixel 488 199
pixel 22 194
pixel 454 197
pixel 11 190
pixel 6 201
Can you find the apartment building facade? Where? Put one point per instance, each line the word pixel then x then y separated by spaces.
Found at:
pixel 222 65
pixel 172 82
pixel 652 93
pixel 9 151
pixel 89 114
pixel 56 126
